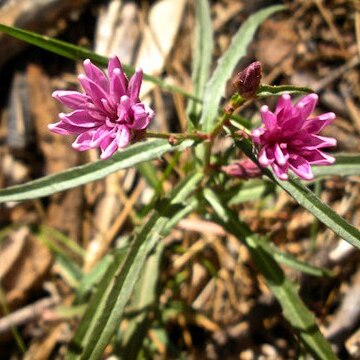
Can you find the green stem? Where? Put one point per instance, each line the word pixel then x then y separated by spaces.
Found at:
pixel 234 103
pixel 159 135
pixel 177 137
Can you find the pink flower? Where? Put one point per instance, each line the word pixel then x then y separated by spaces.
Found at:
pixel 290 141
pixel 108 114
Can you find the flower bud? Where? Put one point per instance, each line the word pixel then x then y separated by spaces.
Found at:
pixel 247 82
pixel 243 169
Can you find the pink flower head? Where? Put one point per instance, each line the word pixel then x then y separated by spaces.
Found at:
pixel 290 139
pixel 108 114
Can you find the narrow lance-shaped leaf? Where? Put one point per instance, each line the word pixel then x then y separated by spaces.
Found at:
pixel 271 90
pixel 215 87
pixel 294 310
pixel 96 305
pixel 148 171
pixel 202 54
pixel 309 201
pixel 91 339
pixel 80 175
pixel 248 191
pixel 144 298
pixel 89 280
pixel 292 262
pixel 78 53
pixel 324 213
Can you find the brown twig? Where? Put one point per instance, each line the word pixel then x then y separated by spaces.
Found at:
pixel 26 314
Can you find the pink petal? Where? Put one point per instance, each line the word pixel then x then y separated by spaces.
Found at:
pixel 93 90
pixel 100 134
pixel 80 118
pixel 301 167
pixel 72 99
pixel 142 116
pixel 64 128
pixel 280 171
pixel 83 141
pixel 256 135
pixel 291 125
pixel 95 74
pixel 98 114
pixel 266 156
pixel 124 107
pixel 135 85
pixel 114 63
pixel 317 157
pixel 319 142
pixel 108 147
pixel 316 124
pixel 110 108
pixel 284 108
pixel 281 155
pixel 306 105
pixel 268 118
pixel 284 102
pixel 118 84
pixel 123 136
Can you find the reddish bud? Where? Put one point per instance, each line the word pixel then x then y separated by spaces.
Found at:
pixel 247 82
pixel 243 169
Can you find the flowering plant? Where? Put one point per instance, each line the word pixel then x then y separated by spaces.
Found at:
pixel 109 115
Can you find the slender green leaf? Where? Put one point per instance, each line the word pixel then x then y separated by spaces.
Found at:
pixel 345 165
pixel 69 243
pixel 324 213
pixel 301 266
pixel 240 122
pixel 78 53
pixel 294 263
pixel 215 87
pixel 68 270
pixel 148 171
pixel 202 54
pixel 84 174
pixel 144 297
pixel 95 334
pixel 89 280
pixel 42 234
pixel 271 90
pixel 249 191
pixel 310 201
pixel 294 310
pixel 96 305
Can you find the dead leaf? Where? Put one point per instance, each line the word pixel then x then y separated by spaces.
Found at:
pixel 157 42
pixel 27 271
